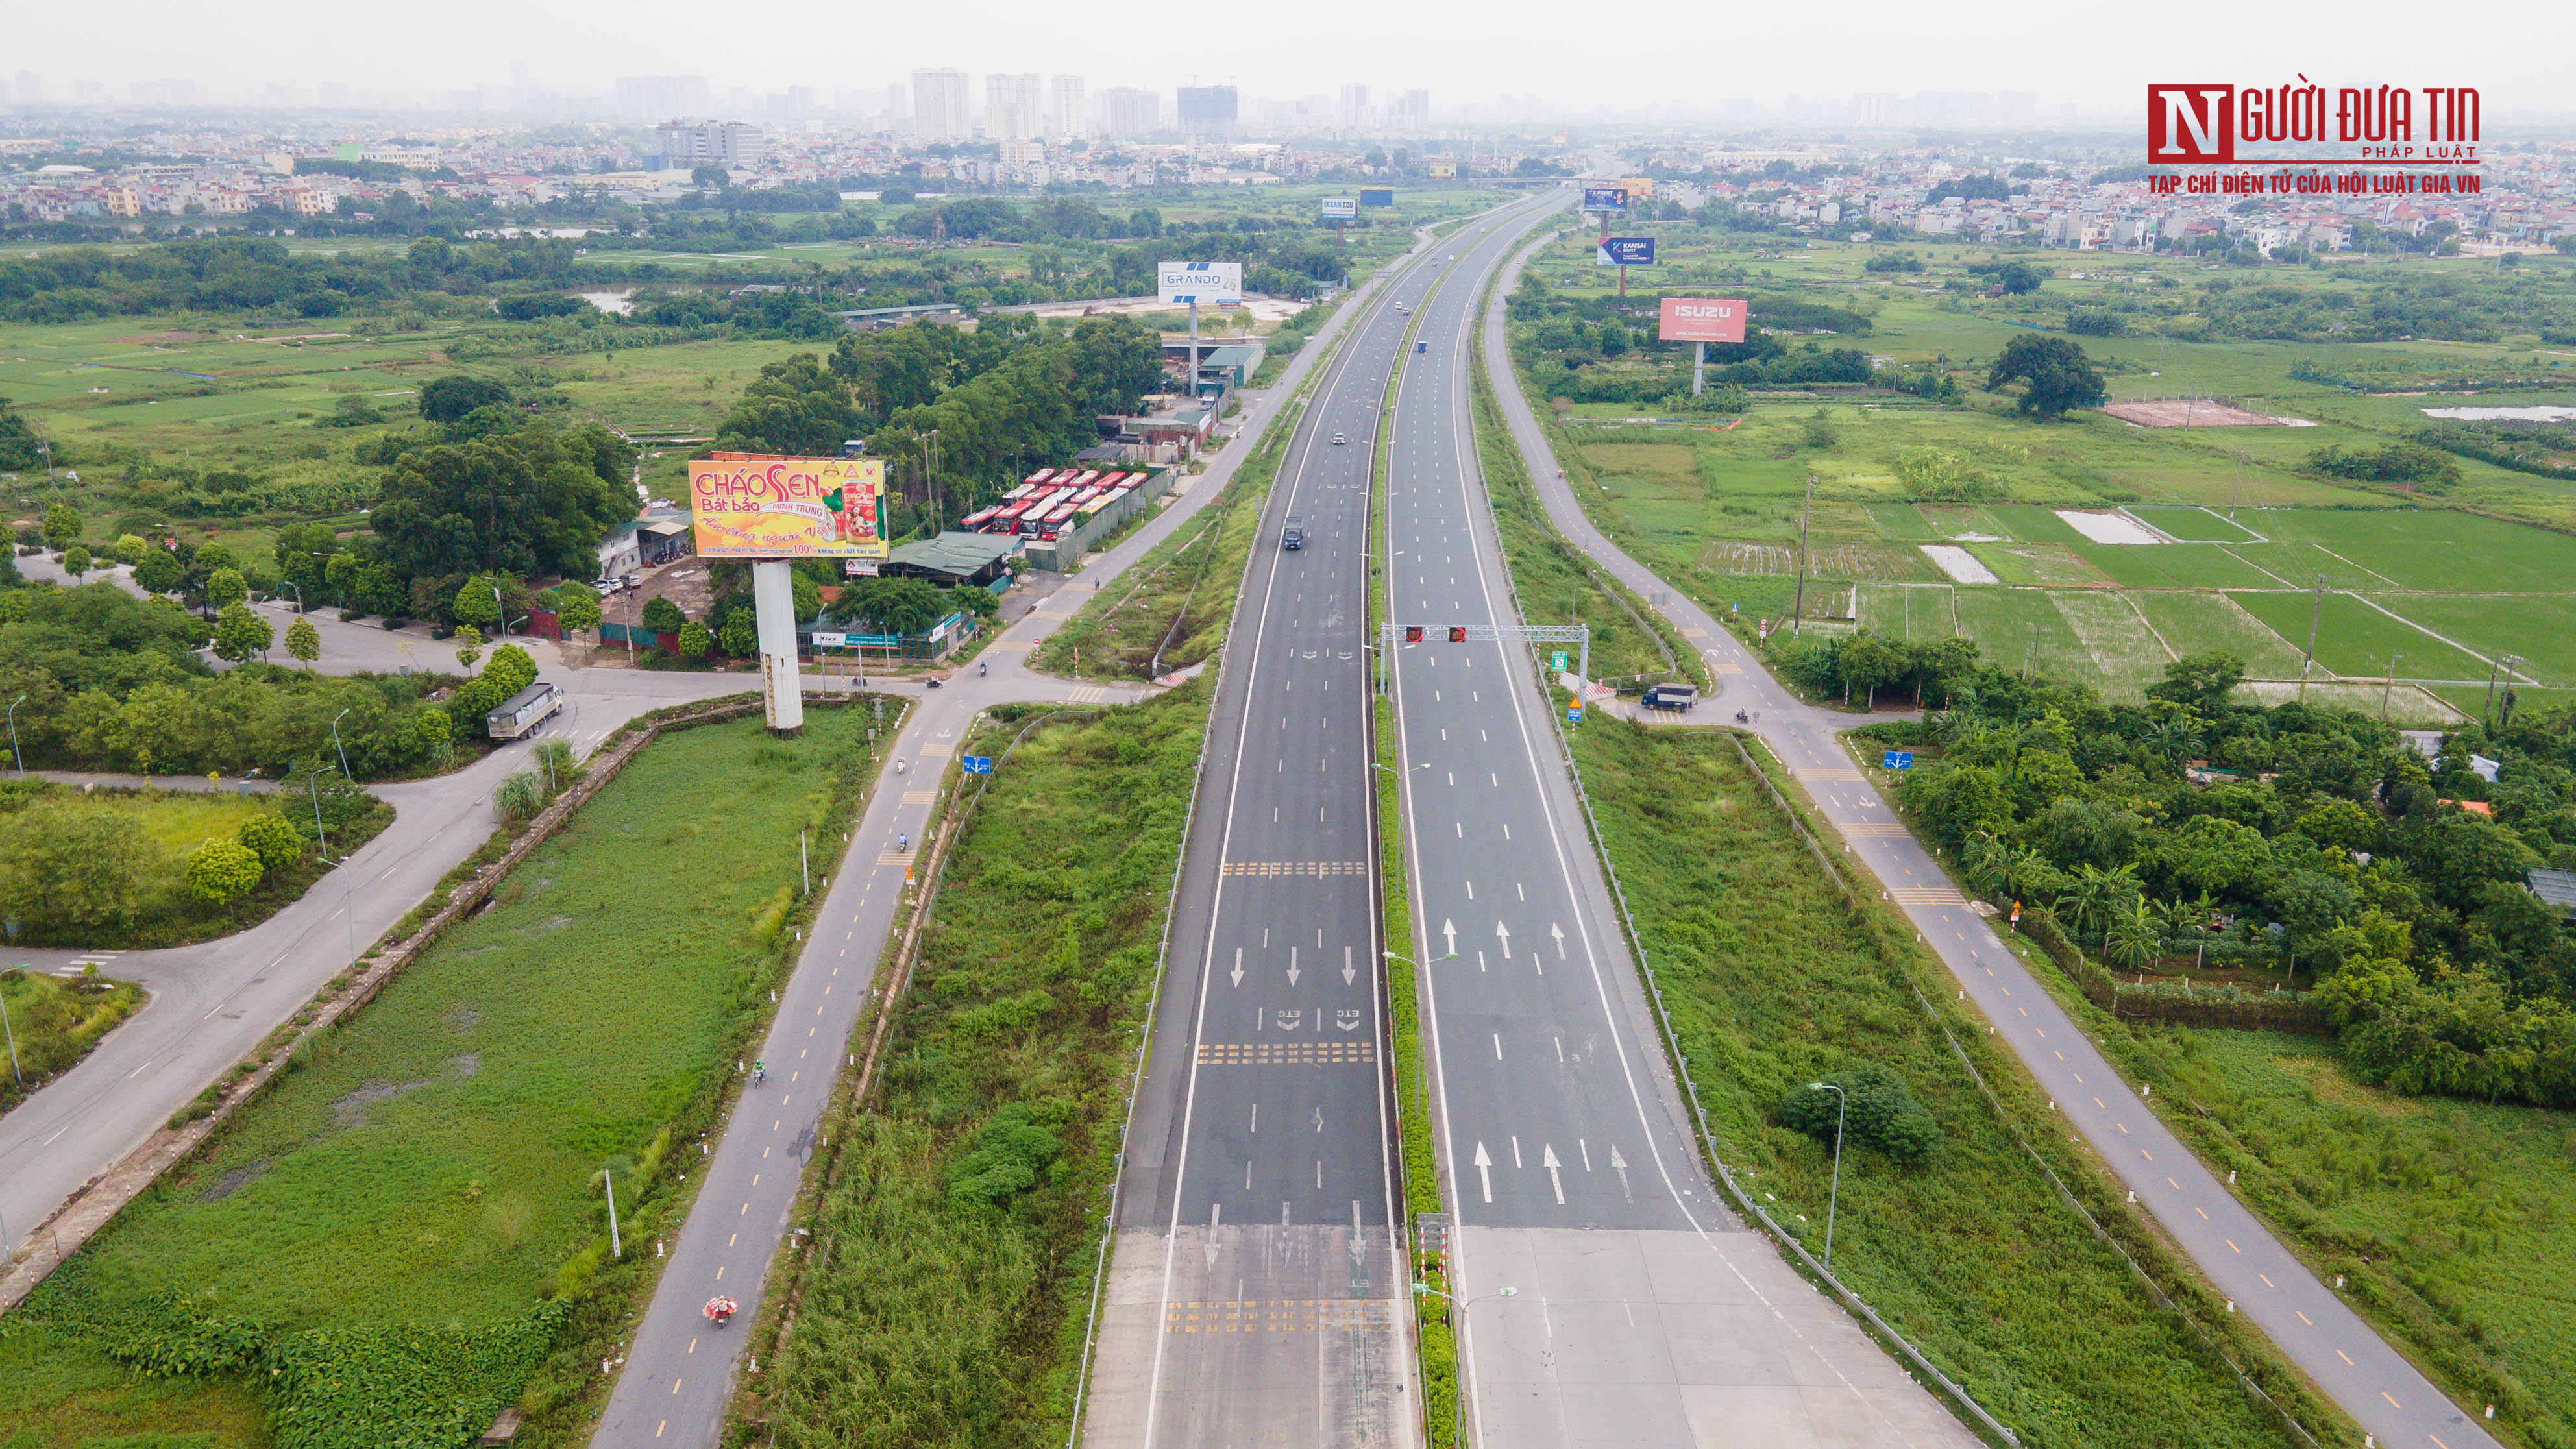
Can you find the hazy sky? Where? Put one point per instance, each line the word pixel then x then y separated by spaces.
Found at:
pixel 1623 54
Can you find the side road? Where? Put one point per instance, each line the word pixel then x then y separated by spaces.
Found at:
pixel 679 1372
pixel 2371 1381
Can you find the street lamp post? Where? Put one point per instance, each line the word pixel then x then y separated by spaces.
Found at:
pixel 335 744
pixel 314 790
pixel 14 755
pixel 1458 1429
pixel 1834 1202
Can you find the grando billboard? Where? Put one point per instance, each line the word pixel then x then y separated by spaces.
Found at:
pixel 1701 319
pixel 1625 251
pixel 1605 198
pixel 1340 208
pixel 755 506
pixel 1209 282
pixel 1377 196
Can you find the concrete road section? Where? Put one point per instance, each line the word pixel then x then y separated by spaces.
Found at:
pixel 1255 1290
pixel 2238 1256
pixel 679 1371
pixel 1642 1313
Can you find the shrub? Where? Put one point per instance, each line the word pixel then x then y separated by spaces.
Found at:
pixel 2412 464
pixel 520 796
pixel 1007 1157
pixel 2096 322
pixel 1882 1114
pixel 222 870
pixel 272 839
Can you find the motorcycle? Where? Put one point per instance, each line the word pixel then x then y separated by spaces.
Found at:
pixel 1742 718
pixel 932 681
pixel 981 669
pixel 720 1311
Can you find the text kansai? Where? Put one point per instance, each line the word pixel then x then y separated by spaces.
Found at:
pixel 778 480
pixel 2361 113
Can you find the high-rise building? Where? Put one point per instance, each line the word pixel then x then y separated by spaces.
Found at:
pixel 1128 111
pixel 688 145
pixel 1412 112
pixel 25 89
pixel 939 106
pixel 1011 108
pixel 1208 112
pixel 1067 120
pixel 898 103
pixel 661 97
pixel 1353 112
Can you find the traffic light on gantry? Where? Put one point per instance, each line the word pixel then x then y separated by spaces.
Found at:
pixel 1457 633
pixel 1412 633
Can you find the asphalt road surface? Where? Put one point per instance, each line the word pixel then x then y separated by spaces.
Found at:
pixel 2238 1256
pixel 1257 1282
pixel 679 1371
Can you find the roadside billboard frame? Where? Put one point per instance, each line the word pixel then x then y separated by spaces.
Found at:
pixel 763 506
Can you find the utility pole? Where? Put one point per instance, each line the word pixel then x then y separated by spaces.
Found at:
pixel 2316 610
pixel 2388 684
pixel 1798 610
pixel 2503 662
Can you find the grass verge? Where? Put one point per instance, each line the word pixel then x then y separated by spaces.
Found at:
pixel 39 819
pixel 53 1022
pixel 955 1228
pixel 1970 1253
pixel 407 1232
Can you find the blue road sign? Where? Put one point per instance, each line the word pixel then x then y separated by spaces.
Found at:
pixel 1896 760
pixel 1574 714
pixel 975 764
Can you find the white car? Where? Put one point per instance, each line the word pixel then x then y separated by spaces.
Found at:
pixel 1338 440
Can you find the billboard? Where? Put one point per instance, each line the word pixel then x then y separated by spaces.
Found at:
pixel 1377 196
pixel 1199 281
pixel 749 505
pixel 1441 170
pixel 1701 319
pixel 1340 208
pixel 1605 198
pixel 1625 251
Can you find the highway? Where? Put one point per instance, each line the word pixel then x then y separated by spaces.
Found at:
pixel 2235 1253
pixel 678 1374
pixel 1256 1289
pixel 1642 1313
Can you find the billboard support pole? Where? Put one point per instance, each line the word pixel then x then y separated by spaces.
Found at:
pixel 773 599
pixel 1699 367
pixel 1194 349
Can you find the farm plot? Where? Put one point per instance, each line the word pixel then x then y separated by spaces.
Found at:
pixel 2173 566
pixel 1908 611
pixel 2037 564
pixel 1904 523
pixel 2126 654
pixel 2017 626
pixel 2355 639
pixel 2432 548
pixel 2196 623
pixel 2030 523
pixel 2193 523
pixel 2540 630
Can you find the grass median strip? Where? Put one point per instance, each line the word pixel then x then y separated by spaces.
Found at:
pixel 955 1232
pixel 53 1022
pixel 408 1232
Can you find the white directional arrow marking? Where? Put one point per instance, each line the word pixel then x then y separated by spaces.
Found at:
pixel 1505 932
pixel 1237 972
pixel 1292 965
pixel 1348 970
pixel 1485 1170
pixel 1559 933
pixel 1619 1165
pixel 1451 932
pixel 1216 1212
pixel 1547 1159
pixel 1348 1020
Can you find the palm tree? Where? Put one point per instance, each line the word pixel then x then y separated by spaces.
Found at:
pixel 2131 940
pixel 2101 895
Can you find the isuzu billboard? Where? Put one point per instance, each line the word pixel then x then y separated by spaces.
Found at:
pixel 1701 319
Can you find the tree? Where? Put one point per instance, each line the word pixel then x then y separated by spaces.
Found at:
pixel 2017 278
pixel 2200 682
pixel 222 871
pixel 67 865
pixel 476 606
pixel 158 571
pixel 1873 1109
pixel 796 407
pixel 225 588
pixel 535 500
pixel 272 839
pixel 2055 373
pixel 713 177
pixel 62 526
pixel 694 640
pixel 740 635
pixel 579 611
pixel 130 549
pixel 76 560
pixel 520 796
pixel 1818 430
pixel 449 399
pixel 304 641
pixel 663 616
pixel 19 445
pixel 239 633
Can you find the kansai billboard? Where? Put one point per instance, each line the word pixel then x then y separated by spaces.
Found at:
pixel 1625 251
pixel 1701 319
pixel 749 505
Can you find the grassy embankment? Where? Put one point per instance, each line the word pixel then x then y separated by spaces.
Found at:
pixel 408 1231
pixel 958 1220
pixel 2447 1219
pixel 173 823
pixel 1773 982
pixel 53 1023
